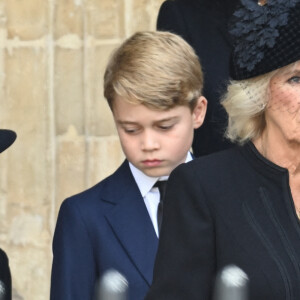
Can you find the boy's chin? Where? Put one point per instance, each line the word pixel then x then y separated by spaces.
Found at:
pixel 156 172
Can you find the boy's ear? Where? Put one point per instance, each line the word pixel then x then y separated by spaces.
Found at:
pixel 199 112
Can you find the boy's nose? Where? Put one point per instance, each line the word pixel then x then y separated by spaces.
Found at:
pixel 150 142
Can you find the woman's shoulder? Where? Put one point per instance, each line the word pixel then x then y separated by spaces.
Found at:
pixel 219 159
pixel 216 168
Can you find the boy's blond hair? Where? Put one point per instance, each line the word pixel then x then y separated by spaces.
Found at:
pixel 157 69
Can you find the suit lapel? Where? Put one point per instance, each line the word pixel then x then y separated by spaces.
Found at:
pixel 131 222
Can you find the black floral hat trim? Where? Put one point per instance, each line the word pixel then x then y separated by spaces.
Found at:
pixel 256 26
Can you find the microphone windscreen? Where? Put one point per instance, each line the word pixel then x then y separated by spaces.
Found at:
pixel 231 284
pixel 112 286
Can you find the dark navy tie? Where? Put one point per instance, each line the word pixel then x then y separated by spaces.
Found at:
pixel 161 185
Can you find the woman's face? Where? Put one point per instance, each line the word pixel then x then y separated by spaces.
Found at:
pixel 283 108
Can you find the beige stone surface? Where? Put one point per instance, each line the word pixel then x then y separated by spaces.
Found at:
pixel 99 118
pixel 52 58
pixel 32 265
pixel 25 102
pixel 104 157
pixel 26 19
pixel 144 14
pixel 68 89
pixel 105 18
pixel 68 18
pixel 70 165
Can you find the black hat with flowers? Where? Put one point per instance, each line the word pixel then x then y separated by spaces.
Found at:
pixel 266 37
pixel 7 137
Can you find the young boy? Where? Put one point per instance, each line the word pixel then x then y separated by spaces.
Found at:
pixel 153 84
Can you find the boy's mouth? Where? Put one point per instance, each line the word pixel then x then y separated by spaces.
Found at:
pixel 152 162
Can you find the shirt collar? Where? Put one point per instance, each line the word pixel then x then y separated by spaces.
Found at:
pixel 145 182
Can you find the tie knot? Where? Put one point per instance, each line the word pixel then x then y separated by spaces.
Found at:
pixel 161 185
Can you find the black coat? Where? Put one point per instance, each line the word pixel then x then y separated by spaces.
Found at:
pixel 232 207
pixel 203 24
pixel 5 276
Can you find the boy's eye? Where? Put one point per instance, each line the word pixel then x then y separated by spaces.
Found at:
pixel 165 127
pixel 294 79
pixel 131 130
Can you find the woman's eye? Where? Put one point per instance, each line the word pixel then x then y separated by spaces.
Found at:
pixel 294 79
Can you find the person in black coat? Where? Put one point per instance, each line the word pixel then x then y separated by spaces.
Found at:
pixel 203 24
pixel 7 137
pixel 5 277
pixel 241 206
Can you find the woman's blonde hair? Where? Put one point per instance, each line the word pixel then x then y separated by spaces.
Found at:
pixel 245 103
pixel 157 69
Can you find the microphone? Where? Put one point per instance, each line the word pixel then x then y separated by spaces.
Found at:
pixel 231 284
pixel 112 286
pixel 2 290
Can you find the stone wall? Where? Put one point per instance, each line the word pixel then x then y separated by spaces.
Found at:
pixel 52 57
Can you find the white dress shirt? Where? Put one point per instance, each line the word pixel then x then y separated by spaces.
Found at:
pixel 150 194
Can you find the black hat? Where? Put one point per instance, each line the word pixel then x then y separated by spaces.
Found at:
pixel 7 137
pixel 267 37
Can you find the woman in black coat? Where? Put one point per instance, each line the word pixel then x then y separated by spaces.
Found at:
pixel 7 137
pixel 203 24
pixel 242 206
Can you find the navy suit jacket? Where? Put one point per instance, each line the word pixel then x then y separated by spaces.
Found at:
pixel 104 227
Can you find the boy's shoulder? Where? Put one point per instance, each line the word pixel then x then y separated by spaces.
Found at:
pixel 109 189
